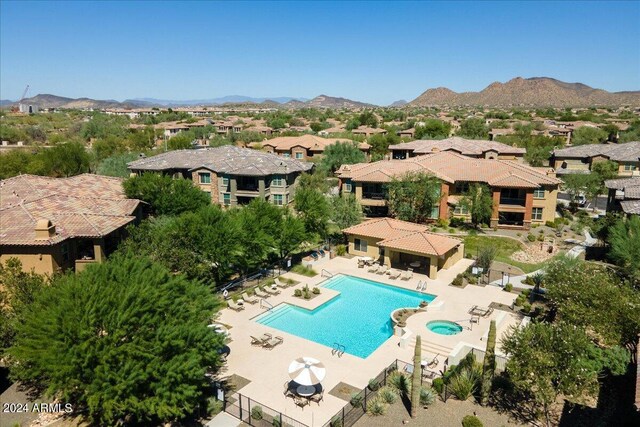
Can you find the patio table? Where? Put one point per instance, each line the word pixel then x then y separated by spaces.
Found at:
pixel 415 264
pixel 306 390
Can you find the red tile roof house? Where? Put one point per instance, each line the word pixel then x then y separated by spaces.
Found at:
pixel 467 147
pixel 399 243
pixel 55 224
pixel 303 147
pixel 522 195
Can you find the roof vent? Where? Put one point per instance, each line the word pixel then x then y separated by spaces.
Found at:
pixel 45 229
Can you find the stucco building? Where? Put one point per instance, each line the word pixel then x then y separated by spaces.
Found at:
pixel 230 175
pixel 479 149
pixel 624 195
pixel 304 147
pixel 56 224
pixel 399 244
pixel 522 195
pixel 581 158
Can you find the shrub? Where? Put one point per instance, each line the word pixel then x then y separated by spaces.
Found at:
pixel 297 293
pixel 456 222
pixel 214 406
pixel 472 279
pixel 526 307
pixel 486 255
pixel 304 270
pixel 519 301
pixel 388 394
pixel 275 422
pixel 541 237
pixel 464 384
pixel 458 281
pixel 341 250
pixel 442 223
pixel 256 413
pixel 427 396
pixel 306 293
pixel 399 381
pixel 373 384
pixel 376 407
pixel 356 400
pixel 316 290
pixel 531 237
pixel 438 385
pixel 336 422
pixel 508 287
pixel 471 421
pixel 518 234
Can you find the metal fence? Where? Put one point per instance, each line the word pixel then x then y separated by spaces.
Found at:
pixel 256 414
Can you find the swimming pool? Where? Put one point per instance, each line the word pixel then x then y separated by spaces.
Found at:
pixel 444 327
pixel 358 318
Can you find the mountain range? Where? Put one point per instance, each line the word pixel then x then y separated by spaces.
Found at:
pixel 531 92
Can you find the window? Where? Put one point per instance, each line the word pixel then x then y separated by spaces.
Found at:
pixel 538 193
pixel 205 178
pixel 348 186
pixel 286 155
pixel 299 155
pixel 226 199
pixel 462 187
pixel 461 210
pixel 536 214
pixel 225 181
pixel 277 181
pixel 360 245
pixel 65 252
pixel 629 167
pixel 277 199
pixel 435 212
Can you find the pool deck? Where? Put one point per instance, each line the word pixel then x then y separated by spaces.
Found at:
pixel 267 369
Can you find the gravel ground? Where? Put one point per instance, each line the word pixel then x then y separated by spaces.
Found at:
pixel 439 414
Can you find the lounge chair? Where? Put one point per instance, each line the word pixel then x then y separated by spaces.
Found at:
pixel 361 263
pixel 271 291
pixel 300 401
pixel 407 275
pixel 419 287
pixel 271 343
pixel 288 391
pixel 261 293
pixel 408 369
pixel 280 284
pixel 234 305
pixel 424 286
pixel 394 274
pixel 383 269
pixel 250 300
pixel 433 362
pixel 373 268
pixel 260 341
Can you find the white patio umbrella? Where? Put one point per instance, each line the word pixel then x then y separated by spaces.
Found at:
pixel 307 371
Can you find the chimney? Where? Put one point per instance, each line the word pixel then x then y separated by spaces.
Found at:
pixel 45 230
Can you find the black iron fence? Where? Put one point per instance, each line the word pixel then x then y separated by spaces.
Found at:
pixel 256 414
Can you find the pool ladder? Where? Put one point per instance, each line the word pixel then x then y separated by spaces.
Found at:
pixel 338 349
pixel 264 303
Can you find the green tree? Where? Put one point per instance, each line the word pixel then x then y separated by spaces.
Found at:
pixel 116 165
pixel 416 380
pixel 433 129
pixel 166 196
pixel 478 200
pixel 62 160
pixel 576 184
pixel 367 118
pixel 380 144
pixel 588 135
pixel 17 291
pixel 632 133
pixel 318 126
pixel 313 207
pixel 624 239
pixel 588 296
pixel 489 364
pixel 414 197
pixel 291 233
pixel 605 170
pixel 341 153
pixel 473 128
pixel 547 361
pixel 345 211
pixel 181 141
pixel 138 347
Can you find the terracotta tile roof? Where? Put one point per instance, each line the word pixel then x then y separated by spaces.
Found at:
pixel 310 142
pixel 402 235
pixel 225 159
pixel 629 151
pixel 630 206
pixel 81 206
pixel 469 147
pixel 451 167
pixel 623 183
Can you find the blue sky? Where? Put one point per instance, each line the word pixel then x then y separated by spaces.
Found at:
pixel 376 52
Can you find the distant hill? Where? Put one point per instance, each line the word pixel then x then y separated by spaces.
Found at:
pixel 54 101
pixel 535 91
pixel 324 101
pixel 398 103
pixel 6 102
pixel 231 99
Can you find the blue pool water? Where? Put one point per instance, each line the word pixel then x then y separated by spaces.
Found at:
pixel 444 327
pixel 358 318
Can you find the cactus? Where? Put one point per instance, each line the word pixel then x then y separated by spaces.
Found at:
pixel 416 381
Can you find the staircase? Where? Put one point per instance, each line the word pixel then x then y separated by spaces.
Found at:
pixel 430 349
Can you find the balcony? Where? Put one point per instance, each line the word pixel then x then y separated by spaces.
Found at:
pixel 374 196
pixel 512 201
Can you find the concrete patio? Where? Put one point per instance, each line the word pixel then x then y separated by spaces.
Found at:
pixel 267 369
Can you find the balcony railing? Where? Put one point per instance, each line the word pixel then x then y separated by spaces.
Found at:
pixel 513 202
pixel 375 196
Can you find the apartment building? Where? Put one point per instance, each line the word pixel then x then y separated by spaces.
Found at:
pixel 57 224
pixel 303 147
pixel 479 149
pixel 624 195
pixel 522 195
pixel 230 175
pixel 581 158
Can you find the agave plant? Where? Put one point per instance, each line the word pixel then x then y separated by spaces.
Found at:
pixel 464 384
